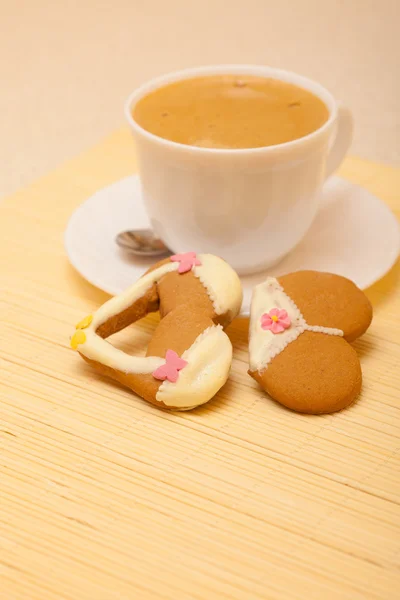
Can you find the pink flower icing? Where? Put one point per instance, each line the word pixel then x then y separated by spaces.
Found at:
pixel 276 320
pixel 187 261
pixel 170 371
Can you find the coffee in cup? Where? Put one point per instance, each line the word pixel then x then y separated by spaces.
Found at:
pixel 230 111
pixel 232 159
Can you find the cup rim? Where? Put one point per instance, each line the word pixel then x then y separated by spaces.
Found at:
pixel 239 69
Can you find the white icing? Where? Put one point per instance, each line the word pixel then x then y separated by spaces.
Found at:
pixel 322 329
pixel 119 303
pixel 219 280
pixel 209 360
pixel 265 345
pixel 101 351
pixel 222 284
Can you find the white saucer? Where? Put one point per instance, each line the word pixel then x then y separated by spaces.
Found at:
pixel 354 234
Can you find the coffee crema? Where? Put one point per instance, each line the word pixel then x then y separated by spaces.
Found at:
pixel 230 111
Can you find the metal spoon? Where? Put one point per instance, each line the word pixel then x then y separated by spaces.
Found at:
pixel 142 242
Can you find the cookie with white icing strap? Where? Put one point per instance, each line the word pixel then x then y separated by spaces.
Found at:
pixel 189 356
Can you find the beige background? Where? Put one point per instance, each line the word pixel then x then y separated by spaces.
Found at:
pixel 67 66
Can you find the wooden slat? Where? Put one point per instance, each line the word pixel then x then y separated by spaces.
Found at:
pixel 105 497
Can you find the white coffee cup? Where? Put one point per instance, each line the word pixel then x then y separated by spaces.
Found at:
pixel 249 206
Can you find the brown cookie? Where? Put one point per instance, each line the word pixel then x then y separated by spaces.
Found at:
pixel 300 327
pixel 189 356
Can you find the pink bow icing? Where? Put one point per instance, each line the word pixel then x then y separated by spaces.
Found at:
pixel 170 371
pixel 276 320
pixel 187 261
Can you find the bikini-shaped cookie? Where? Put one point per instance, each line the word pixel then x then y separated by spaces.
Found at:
pixel 189 356
pixel 300 328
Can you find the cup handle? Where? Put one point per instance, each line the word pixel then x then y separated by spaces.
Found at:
pixel 341 141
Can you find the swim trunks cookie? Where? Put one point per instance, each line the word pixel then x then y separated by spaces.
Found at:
pixel 300 327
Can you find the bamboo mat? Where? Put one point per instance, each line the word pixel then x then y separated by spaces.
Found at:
pixel 104 497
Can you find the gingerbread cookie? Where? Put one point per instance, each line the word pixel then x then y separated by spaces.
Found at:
pixel 189 356
pixel 300 328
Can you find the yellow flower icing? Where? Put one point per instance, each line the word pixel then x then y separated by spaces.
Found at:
pixel 85 322
pixel 79 337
